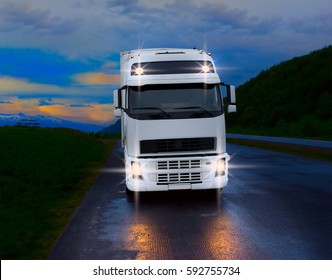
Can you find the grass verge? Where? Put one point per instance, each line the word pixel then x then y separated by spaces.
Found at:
pixel 44 174
pixel 299 150
pixel 308 127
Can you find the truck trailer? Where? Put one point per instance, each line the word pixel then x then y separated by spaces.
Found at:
pixel 172 120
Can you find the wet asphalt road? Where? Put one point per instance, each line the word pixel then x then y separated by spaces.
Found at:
pixel 276 206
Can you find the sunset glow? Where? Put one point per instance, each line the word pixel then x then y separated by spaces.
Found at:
pixel 92 113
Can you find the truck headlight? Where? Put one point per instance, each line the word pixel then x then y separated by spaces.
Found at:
pixel 220 167
pixel 136 170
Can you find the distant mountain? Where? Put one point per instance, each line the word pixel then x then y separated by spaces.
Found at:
pixel 114 128
pixel 46 121
pixel 293 98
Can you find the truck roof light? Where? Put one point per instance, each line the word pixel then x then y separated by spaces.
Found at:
pixel 171 67
pixel 139 71
pixel 205 69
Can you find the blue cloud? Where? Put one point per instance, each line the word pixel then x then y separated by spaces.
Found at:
pixel 37 19
pixel 80 105
pixel 44 67
pixel 47 102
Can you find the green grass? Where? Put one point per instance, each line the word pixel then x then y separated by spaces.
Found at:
pixel 44 174
pixel 299 150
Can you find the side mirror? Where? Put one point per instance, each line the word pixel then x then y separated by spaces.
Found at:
pixel 231 94
pixel 231 99
pixel 117 112
pixel 231 108
pixel 115 98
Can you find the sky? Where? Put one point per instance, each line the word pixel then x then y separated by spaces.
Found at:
pixel 61 58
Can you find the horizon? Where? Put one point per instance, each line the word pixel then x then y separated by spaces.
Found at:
pixel 61 59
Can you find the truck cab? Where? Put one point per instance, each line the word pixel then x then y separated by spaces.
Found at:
pixel 173 121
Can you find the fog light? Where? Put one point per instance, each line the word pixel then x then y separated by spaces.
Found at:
pixel 136 170
pixel 220 167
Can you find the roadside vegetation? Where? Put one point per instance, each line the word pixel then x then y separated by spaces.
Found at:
pixel 299 150
pixel 44 174
pixel 291 99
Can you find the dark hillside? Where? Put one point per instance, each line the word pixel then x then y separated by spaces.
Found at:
pixel 293 99
pixel 113 129
pixel 44 174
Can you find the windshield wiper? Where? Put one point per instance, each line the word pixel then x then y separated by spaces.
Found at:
pixel 153 108
pixel 197 107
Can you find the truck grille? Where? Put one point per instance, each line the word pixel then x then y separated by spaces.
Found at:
pixel 177 145
pixel 172 178
pixel 179 164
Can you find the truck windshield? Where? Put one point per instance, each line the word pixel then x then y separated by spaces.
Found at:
pixel 174 101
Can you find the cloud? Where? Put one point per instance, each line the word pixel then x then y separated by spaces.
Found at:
pixel 80 105
pixel 17 105
pixel 62 108
pixel 96 113
pixel 89 90
pixel 110 64
pixel 10 85
pixel 97 78
pixel 100 27
pixel 30 18
pixel 313 25
pixel 253 33
pixel 5 102
pixel 45 102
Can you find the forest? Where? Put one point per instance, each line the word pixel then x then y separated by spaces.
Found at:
pixel 291 99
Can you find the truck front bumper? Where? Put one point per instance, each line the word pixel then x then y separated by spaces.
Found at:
pixel 176 173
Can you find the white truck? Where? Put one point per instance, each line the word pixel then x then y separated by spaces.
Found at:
pixel 173 121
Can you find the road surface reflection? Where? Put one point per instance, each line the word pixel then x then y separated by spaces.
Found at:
pixel 171 225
